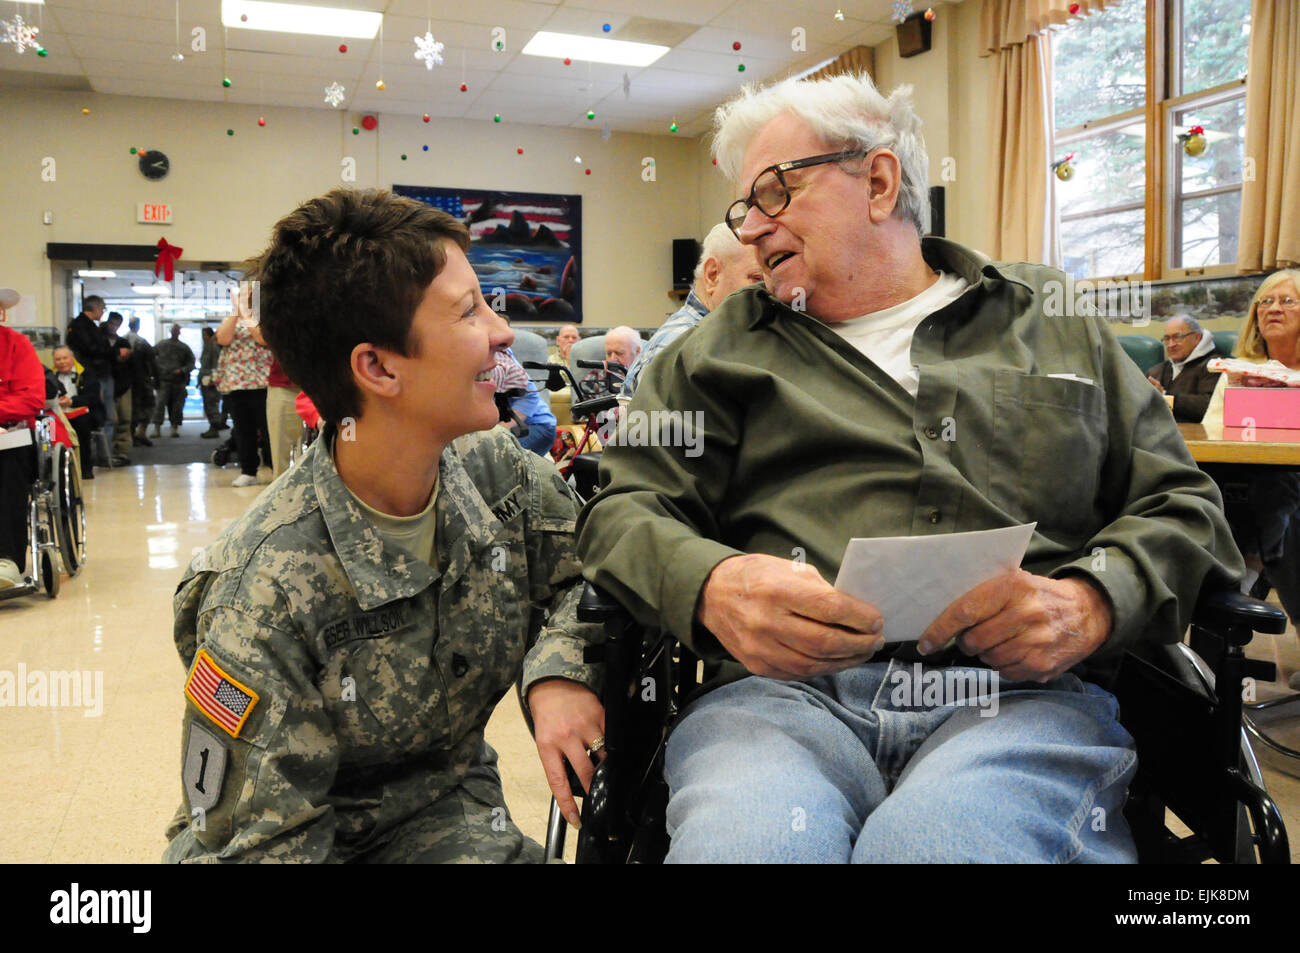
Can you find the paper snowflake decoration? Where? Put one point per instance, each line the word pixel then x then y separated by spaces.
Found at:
pixel 334 94
pixel 902 10
pixel 605 132
pixel 428 49
pixel 19 33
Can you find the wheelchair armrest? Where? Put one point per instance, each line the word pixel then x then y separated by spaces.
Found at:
pixel 1235 617
pixel 597 605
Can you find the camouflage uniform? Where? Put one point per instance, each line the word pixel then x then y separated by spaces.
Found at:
pixel 357 679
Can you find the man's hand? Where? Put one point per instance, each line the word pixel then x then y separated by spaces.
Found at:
pixel 567 718
pixel 1156 383
pixel 1029 628
pixel 65 400
pixel 780 619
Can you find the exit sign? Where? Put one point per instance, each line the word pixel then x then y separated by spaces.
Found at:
pixel 153 213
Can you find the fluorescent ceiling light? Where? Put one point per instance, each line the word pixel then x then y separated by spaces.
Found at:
pixel 152 290
pixel 97 274
pixel 618 52
pixel 34 3
pixel 297 18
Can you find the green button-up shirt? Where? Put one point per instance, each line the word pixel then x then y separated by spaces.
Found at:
pixel 805 443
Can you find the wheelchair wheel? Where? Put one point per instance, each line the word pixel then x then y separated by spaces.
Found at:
pixel 50 575
pixel 68 510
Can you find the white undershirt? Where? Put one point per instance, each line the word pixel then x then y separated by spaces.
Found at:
pixel 885 337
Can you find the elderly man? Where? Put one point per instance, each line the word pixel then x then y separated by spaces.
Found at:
pixel 725 266
pixel 73 393
pixel 892 386
pixel 1183 379
pixel 565 340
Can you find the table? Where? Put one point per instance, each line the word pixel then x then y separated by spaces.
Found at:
pixel 1268 447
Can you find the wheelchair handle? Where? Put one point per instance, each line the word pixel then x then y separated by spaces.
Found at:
pixel 594 405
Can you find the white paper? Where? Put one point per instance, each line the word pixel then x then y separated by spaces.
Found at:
pixel 912 579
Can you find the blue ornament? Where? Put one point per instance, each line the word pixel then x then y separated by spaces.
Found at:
pixel 426 148
pixel 605 27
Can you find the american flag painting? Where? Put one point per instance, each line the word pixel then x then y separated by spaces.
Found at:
pixel 525 247
pixel 219 696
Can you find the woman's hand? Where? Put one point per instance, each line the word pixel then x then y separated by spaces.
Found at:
pixel 567 719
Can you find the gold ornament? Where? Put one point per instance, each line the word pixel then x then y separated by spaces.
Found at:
pixel 1194 144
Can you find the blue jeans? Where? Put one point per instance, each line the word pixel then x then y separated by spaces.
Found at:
pixel 869 766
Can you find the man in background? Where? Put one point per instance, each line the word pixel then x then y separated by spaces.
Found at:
pixel 122 380
pixel 1183 377
pixel 175 361
pixel 73 393
pixel 92 351
pixel 725 266
pixel 565 340
pixel 208 385
pixel 144 379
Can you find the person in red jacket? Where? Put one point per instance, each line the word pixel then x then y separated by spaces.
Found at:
pixel 22 394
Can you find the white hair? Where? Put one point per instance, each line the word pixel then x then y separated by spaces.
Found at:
pixel 847 112
pixel 629 335
pixel 720 243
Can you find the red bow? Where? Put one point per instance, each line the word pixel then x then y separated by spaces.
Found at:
pixel 167 256
pixel 1196 131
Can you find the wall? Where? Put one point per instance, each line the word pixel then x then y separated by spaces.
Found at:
pixel 227 191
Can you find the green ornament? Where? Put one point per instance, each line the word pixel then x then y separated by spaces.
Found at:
pixel 500 45
pixel 673 127
pixel 230 132
pixel 356 131
pixel 133 150
pixel 42 51
pixel 590 114
pixel 740 68
pixel 226 82
pixel 496 118
pixel 403 156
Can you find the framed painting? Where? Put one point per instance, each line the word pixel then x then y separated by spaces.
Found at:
pixel 525 247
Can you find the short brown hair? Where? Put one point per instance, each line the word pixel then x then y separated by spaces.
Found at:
pixel 347 268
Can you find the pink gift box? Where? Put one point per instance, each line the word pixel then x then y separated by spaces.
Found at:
pixel 1262 407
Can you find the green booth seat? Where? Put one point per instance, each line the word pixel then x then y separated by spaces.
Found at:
pixel 1146 352
pixel 1224 342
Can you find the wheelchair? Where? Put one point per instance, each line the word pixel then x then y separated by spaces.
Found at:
pixel 580 462
pixel 1181 703
pixel 56 516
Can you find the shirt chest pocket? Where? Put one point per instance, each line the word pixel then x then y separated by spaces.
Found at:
pixel 384 694
pixel 1050 444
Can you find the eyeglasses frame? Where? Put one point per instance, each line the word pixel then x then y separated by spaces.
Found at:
pixel 780 169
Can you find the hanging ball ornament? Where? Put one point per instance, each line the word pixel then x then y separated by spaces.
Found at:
pixel 520 150
pixel 736 46
pixel 590 114
pixel 230 132
pixel 369 123
pixel 496 118
pixel 403 156
pixel 426 148
pixel 178 57
pixel 379 85
pixel 426 117
pixel 261 121
pixel 85 110
pixel 226 82
pixel 1193 141
pixel 42 51
pixel 1063 169
pixel 587 171
pixel 740 68
pixel 715 161
pixel 672 127
pixel 605 27
pixel 134 150
pixel 578 159
pixel 356 131
pixel 1074 8
pixel 343 47
pixel 930 14
pixel 568 62
pixel 464 87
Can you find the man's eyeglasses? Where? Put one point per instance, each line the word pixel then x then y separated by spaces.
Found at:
pixel 1289 303
pixel 770 193
pixel 1169 338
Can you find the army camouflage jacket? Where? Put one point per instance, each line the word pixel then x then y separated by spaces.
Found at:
pixel 337 687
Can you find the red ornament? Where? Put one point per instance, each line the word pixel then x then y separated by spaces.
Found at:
pixel 343 47
pixel 736 46
pixel 426 117
pixel 568 62
pixel 520 150
pixel 1074 8
pixel 464 88
pixel 261 121
pixel 588 171
pixel 369 123
pixel 715 161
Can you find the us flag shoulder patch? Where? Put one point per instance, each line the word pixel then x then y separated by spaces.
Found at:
pixel 219 696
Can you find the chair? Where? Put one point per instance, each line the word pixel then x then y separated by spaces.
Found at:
pixel 1224 343
pixel 531 346
pixel 588 349
pixel 1146 352
pixel 1184 713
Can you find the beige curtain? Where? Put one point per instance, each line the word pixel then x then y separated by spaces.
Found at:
pixel 860 59
pixel 1270 225
pixel 1022 211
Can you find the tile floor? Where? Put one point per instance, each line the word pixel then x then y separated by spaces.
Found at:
pixel 85 788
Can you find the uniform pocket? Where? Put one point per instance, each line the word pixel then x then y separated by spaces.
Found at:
pixel 1050 447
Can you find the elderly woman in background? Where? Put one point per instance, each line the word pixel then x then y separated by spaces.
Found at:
pixel 1266 524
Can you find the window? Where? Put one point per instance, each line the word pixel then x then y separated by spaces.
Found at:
pixel 1103 117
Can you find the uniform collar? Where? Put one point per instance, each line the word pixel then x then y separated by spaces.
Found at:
pixel 378 574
